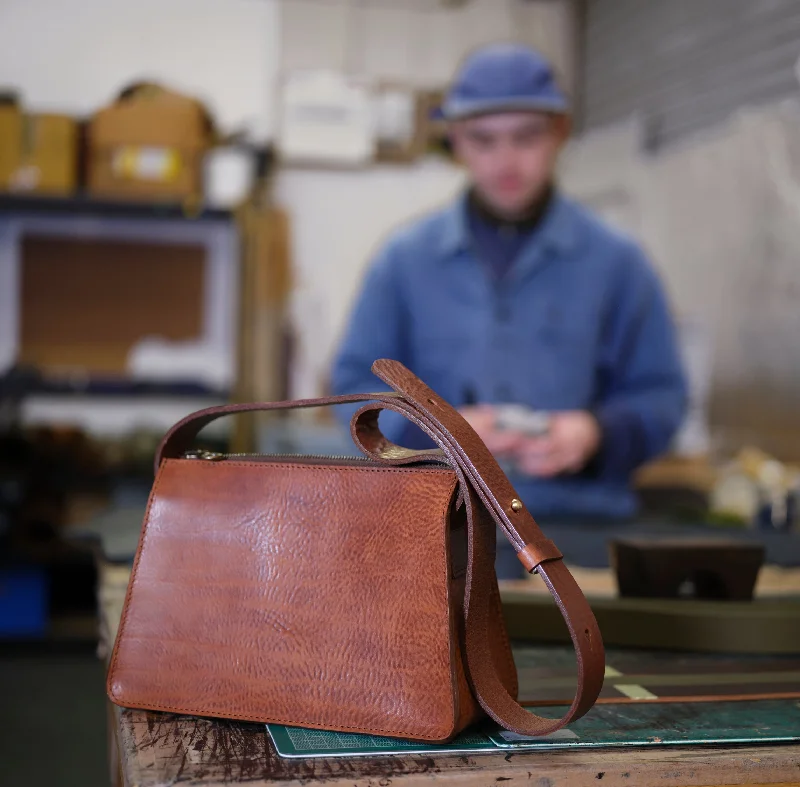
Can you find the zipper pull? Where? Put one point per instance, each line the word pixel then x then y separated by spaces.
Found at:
pixel 209 456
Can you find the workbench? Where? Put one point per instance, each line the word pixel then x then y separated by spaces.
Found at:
pixel 150 749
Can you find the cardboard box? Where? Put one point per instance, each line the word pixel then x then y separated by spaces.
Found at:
pixel 49 163
pixel 10 139
pixel 38 152
pixel 149 144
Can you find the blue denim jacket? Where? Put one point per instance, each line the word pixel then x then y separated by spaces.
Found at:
pixel 579 322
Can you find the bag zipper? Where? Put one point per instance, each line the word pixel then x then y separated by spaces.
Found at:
pixel 215 456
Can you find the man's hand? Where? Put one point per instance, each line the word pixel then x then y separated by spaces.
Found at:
pixel 483 419
pixel 573 439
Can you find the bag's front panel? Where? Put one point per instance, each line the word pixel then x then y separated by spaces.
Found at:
pixel 294 593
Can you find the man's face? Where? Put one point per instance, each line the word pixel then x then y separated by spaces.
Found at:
pixel 510 156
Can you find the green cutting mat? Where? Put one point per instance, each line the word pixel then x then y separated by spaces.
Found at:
pixel 302 742
pixel 649 724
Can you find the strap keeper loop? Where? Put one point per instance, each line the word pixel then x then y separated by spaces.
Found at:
pixel 533 555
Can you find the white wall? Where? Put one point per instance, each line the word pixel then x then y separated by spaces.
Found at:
pixel 74 55
pixel 338 221
pixel 419 42
pixel 719 215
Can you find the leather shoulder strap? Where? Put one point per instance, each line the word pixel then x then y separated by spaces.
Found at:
pixel 490 498
pixel 479 465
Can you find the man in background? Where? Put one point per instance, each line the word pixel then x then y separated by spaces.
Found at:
pixel 515 295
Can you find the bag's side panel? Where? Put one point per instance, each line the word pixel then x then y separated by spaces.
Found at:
pixel 299 594
pixel 469 708
pixel 502 655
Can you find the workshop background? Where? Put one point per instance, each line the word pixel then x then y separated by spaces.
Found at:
pixel 189 193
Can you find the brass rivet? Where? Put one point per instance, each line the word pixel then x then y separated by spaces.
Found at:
pixel 516 505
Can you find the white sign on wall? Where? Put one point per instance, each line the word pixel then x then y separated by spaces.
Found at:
pixel 325 118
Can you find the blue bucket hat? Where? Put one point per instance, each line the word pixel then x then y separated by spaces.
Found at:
pixel 503 78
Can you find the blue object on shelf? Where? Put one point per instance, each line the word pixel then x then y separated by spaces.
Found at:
pixel 23 602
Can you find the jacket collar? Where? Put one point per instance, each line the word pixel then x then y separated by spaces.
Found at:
pixel 557 232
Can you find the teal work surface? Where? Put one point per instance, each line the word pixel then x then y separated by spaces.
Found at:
pixel 646 724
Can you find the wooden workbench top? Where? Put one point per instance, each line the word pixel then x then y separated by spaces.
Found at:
pixel 159 749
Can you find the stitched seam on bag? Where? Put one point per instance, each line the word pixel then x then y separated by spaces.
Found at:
pixel 451 644
pixel 134 577
pixel 250 717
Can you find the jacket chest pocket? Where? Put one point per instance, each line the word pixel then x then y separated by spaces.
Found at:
pixel 564 347
pixel 438 358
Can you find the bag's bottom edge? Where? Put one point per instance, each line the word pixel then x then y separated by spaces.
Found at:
pixel 436 737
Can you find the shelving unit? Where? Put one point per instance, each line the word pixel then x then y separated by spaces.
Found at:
pixel 103 402
pixel 92 207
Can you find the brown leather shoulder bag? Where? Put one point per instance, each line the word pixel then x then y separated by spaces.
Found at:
pixel 354 595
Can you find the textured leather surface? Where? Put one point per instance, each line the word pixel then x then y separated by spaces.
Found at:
pixel 299 594
pixel 485 494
